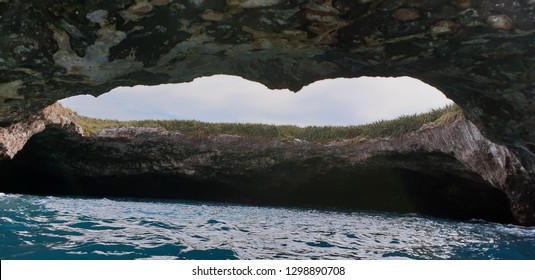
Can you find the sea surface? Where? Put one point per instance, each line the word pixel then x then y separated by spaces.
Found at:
pixel 33 227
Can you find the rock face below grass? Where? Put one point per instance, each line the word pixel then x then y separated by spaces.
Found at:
pixel 447 169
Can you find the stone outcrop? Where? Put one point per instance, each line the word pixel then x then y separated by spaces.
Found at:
pixel 14 137
pixel 449 170
pixel 480 53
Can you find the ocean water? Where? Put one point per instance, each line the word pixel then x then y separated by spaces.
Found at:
pixel 34 227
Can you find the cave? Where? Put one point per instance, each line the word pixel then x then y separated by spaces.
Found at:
pixel 479 53
pixel 415 181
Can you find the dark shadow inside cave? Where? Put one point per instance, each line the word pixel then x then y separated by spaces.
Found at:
pixel 384 183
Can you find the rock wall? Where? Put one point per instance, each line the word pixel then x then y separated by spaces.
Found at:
pixel 448 170
pixel 480 53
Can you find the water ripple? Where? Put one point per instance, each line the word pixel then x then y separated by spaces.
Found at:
pixel 73 228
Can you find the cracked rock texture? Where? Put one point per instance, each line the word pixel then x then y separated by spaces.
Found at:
pixel 480 53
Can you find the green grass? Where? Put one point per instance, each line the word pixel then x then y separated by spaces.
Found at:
pixel 319 134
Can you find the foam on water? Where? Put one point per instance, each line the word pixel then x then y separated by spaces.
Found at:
pixel 73 228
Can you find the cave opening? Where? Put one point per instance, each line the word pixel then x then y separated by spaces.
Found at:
pixel 232 99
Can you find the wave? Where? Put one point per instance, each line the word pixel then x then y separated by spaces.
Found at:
pixel 74 228
pixel 10 195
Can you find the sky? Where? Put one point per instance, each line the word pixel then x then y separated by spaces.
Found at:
pixel 223 98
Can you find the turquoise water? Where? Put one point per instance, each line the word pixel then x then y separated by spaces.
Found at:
pixel 34 227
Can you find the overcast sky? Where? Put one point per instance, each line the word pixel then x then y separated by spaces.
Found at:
pixel 222 98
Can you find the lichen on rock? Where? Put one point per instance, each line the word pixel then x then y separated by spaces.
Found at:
pixel 95 64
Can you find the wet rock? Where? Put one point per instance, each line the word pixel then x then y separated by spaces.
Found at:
pixel 98 16
pixel 254 3
pixel 406 14
pixel 444 27
pixel 500 22
pixel 462 4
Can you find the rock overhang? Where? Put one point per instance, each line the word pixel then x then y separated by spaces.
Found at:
pixel 478 52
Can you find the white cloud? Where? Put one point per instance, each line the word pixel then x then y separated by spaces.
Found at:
pixel 222 98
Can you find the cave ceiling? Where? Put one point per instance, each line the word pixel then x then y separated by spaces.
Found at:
pixel 479 53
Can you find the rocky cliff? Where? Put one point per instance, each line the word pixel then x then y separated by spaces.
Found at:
pixel 447 169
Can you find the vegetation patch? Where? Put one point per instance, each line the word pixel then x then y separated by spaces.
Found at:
pixel 318 134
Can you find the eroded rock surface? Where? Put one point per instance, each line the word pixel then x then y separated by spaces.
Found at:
pixel 448 170
pixel 480 53
pixel 14 137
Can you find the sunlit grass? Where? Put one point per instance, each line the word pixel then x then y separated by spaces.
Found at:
pixel 320 134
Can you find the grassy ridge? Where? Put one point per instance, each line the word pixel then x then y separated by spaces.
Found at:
pixel 321 134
